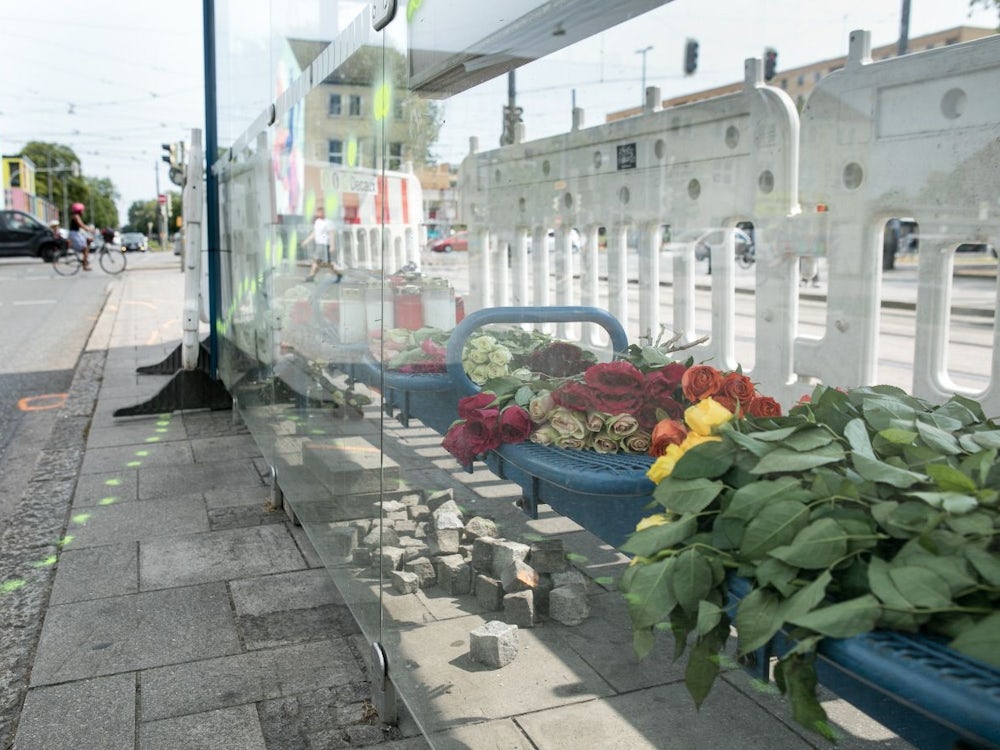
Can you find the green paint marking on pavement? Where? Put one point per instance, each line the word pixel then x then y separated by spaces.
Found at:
pixel 12 585
pixel 46 562
pixel 152 440
pixel 163 423
pixel 109 500
pixel 134 464
pixel 80 518
pixel 112 482
pixel 68 539
pixel 142 454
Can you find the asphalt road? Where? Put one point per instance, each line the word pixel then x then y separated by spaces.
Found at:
pixel 46 320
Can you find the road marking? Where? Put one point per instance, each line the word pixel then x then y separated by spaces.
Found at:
pixel 34 302
pixel 43 402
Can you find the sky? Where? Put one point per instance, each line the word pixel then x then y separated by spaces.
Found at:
pixel 115 80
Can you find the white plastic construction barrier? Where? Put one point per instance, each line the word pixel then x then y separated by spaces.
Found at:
pixel 712 163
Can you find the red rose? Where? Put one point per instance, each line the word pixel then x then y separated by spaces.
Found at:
pixel 483 430
pixel 701 381
pixel 469 404
pixel 666 378
pixel 764 406
pixel 647 413
pixel 617 387
pixel 456 442
pixel 738 386
pixel 573 395
pixel 667 432
pixel 515 425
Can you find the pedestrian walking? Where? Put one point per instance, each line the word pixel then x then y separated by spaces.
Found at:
pixel 322 238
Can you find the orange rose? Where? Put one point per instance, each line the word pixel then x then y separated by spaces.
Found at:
pixel 701 381
pixel 764 406
pixel 729 402
pixel 667 432
pixel 738 386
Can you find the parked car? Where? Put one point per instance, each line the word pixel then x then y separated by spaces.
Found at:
pixel 706 240
pixel 23 234
pixel 134 241
pixel 457 241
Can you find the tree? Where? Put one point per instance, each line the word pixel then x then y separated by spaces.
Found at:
pixel 60 167
pixel 987 4
pixel 145 216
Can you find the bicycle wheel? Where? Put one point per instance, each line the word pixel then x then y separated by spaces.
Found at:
pixel 67 263
pixel 112 261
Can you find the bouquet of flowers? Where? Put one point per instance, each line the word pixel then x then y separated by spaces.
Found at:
pixel 860 509
pixel 632 405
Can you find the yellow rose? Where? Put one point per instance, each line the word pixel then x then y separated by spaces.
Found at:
pixel 705 416
pixel 650 521
pixel 664 465
pixel 693 439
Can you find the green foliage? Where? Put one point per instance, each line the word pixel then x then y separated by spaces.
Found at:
pixel 60 178
pixel 860 510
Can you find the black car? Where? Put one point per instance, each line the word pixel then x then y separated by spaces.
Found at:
pixel 134 241
pixel 23 234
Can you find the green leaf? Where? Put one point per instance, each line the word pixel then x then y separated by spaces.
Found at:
pixel 758 618
pixel 774 436
pixel 692 579
pixel 798 675
pixel 702 669
pixel 974 524
pixel 938 439
pixel 843 619
pixel 809 439
pixel 882 585
pixel 784 460
pixel 986 563
pixel 951 502
pixel 898 436
pixel 727 533
pixel 883 413
pixel 748 443
pixel 772 572
pixel 857 437
pixel 964 409
pixel 982 641
pixel 648 542
pixel 819 545
pixel 921 587
pixel 775 525
pixel 708 460
pixel 709 615
pixel 748 500
pixel 687 495
pixel 643 641
pixel 876 471
pixel 952 569
pixel 524 395
pixel 987 438
pixel 649 594
pixel 807 598
pixel 950 479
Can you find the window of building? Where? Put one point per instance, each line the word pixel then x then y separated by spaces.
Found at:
pixel 333 108
pixel 397 110
pixel 817 75
pixel 784 84
pixel 801 80
pixel 396 156
pixel 951 40
pixel 355 105
pixel 335 152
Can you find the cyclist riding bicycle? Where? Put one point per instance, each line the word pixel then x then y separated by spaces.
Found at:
pixel 79 233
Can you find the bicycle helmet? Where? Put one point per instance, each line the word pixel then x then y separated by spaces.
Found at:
pixel 78 208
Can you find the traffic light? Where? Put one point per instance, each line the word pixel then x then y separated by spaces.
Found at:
pixel 170 155
pixel 691 56
pixel 770 63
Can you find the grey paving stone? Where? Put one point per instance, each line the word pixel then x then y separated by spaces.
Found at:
pixel 224 729
pixel 295 626
pixel 106 524
pixel 224 448
pixel 247 678
pixel 96 572
pixel 253 494
pixel 637 721
pixel 242 516
pixel 216 556
pixel 123 633
pixel 212 424
pixel 160 481
pixel 107 488
pixel 284 591
pixel 137 432
pixel 119 457
pixel 95 713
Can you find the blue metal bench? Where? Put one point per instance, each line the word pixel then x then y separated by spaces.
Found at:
pixel 926 692
pixel 429 397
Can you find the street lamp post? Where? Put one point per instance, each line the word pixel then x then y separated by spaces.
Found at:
pixel 643 53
